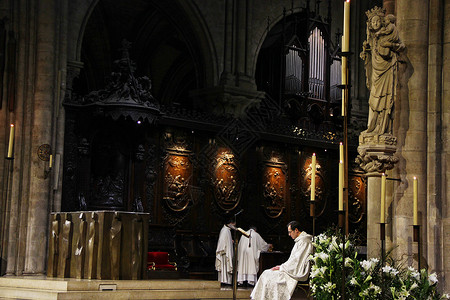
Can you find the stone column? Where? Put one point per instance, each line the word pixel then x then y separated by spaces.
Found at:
pixel 410 127
pixel 16 218
pixel 435 194
pixel 444 180
pixel 237 88
pixel 42 116
pixel 373 214
pixel 60 90
pixel 228 43
pixel 376 155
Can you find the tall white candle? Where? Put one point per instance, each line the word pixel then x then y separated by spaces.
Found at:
pixel 343 80
pixel 341 185
pixel 383 197
pixel 313 177
pixel 346 41
pixel 415 188
pixel 11 141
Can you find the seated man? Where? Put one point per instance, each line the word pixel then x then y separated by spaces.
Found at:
pixel 280 281
pixel 248 256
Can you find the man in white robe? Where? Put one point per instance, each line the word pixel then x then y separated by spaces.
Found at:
pixel 248 256
pixel 224 254
pixel 280 281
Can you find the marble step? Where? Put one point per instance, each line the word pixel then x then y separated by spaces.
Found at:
pixel 33 288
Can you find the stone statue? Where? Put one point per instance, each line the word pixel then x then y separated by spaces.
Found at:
pixel 115 241
pixel 52 267
pixel 92 249
pixel 380 54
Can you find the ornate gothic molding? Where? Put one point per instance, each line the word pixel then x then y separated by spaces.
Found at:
pixel 125 95
pixel 376 152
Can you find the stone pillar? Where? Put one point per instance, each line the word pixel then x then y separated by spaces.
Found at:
pixel 237 88
pixel 373 214
pixel 42 116
pixel 444 180
pixel 376 155
pixel 60 90
pixel 411 129
pixel 435 194
pixel 17 202
pixel 228 42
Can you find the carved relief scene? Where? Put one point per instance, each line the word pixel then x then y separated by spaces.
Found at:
pixel 227 180
pixel 274 187
pixel 178 173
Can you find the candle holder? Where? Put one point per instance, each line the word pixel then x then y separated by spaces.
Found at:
pixel 312 214
pixel 346 53
pixel 383 252
pixel 47 173
pixel 341 225
pixel 3 216
pixel 341 219
pixel 383 241
pixel 344 86
pixel 416 239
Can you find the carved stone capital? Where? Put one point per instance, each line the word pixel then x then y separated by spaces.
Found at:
pixel 376 152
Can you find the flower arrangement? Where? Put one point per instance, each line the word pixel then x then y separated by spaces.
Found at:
pixel 364 279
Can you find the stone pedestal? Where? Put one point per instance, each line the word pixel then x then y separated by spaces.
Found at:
pixel 373 215
pixel 375 156
pixel 376 152
pixel 98 245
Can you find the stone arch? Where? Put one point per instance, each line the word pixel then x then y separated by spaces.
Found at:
pixel 183 33
pixel 276 19
pixel 78 19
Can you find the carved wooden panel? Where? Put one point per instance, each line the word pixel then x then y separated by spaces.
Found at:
pixel 177 176
pixel 274 188
pixel 356 198
pixel 305 183
pixel 227 180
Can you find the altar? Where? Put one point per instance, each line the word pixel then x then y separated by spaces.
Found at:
pixel 98 245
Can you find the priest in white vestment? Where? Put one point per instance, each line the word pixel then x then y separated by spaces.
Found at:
pixel 248 256
pixel 279 282
pixel 224 255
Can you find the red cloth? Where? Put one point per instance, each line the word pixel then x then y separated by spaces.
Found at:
pixel 160 259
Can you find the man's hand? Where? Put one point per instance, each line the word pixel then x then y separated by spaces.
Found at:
pixel 276 268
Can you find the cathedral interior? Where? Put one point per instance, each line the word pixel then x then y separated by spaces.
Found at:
pixel 193 112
